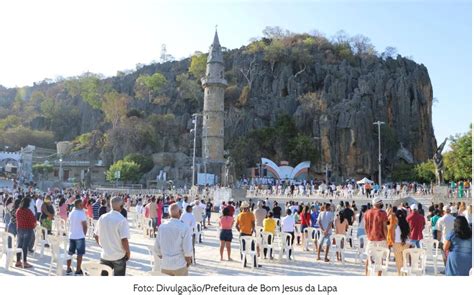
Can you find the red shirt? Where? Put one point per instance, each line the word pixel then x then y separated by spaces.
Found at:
pixel 305 219
pixel 417 224
pixel 25 219
pixel 375 221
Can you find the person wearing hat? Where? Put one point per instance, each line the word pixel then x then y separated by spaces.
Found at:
pixel 375 227
pixel 246 226
pixel 417 224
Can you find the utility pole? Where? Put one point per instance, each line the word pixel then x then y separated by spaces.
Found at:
pixel 194 147
pixel 378 123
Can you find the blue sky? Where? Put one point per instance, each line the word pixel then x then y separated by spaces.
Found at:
pixel 50 38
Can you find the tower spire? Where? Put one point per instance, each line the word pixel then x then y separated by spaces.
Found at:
pixel 215 53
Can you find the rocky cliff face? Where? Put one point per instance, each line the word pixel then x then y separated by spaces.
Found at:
pixel 332 99
pixel 338 103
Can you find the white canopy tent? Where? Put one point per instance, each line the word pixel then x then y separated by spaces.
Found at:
pixel 364 181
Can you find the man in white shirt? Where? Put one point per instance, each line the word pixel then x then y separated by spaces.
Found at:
pixel 77 221
pixel 326 223
pixel 173 245
pixel 112 234
pixel 288 226
pixel 446 225
pixel 198 211
pixel 188 217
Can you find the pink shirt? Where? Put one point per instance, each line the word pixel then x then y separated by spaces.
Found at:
pixel 63 211
pixel 226 222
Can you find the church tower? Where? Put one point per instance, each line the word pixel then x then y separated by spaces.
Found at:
pixel 213 113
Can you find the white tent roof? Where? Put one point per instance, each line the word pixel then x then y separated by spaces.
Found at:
pixel 364 181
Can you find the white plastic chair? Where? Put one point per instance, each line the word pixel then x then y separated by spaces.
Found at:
pixel 198 232
pixel 298 232
pixel 431 245
pixel 361 248
pixel 148 229
pixel 58 255
pixel 349 236
pixel 91 224
pixel 258 235
pixel 414 262
pixel 155 261
pixel 249 241
pixel 310 234
pixel 378 260
pixel 286 246
pixel 265 244
pixel 95 269
pixel 40 239
pixel 9 252
pixel 60 226
pixel 340 240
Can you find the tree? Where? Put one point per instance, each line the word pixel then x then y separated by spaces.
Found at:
pixel 197 68
pixel 403 172
pixel 302 148
pixel 42 169
pixel 425 172
pixel 361 45
pixel 144 161
pixel 129 171
pixel 89 87
pixel 276 32
pixel 115 107
pixel 149 86
pixel 188 89
pixel 274 52
pixel 458 161
pixel 389 52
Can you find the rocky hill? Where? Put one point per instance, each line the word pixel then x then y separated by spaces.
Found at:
pixel 291 97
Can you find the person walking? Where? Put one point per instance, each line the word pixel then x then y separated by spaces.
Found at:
pixel 112 234
pixel 288 226
pixel 226 221
pixel 77 221
pixel 26 223
pixel 173 244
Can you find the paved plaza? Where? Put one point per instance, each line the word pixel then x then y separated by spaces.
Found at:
pixel 208 262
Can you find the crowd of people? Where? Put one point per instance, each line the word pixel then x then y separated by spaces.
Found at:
pixel 176 219
pixel 348 190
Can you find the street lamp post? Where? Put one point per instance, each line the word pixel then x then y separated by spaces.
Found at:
pixel 61 171
pixel 378 123
pixel 195 115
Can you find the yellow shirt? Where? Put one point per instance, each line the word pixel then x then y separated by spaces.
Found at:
pixel 244 220
pixel 269 225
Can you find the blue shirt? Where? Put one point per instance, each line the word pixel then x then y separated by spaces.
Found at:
pixel 314 219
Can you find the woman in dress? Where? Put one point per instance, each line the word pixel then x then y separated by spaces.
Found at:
pixel 341 225
pixel 47 214
pixel 458 247
pixel 226 221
